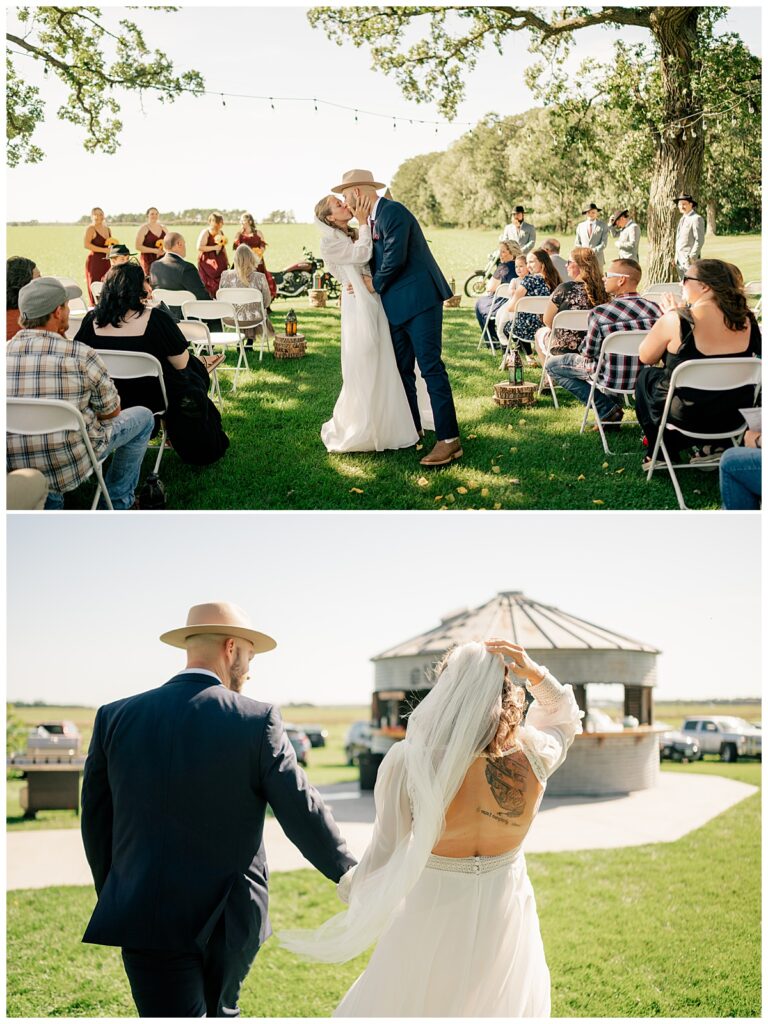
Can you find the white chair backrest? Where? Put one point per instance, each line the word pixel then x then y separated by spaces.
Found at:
pixel 77 303
pixel 571 320
pixel 201 310
pixel 241 296
pixel 194 331
pixel 720 374
pixel 96 288
pixel 42 416
pixel 675 287
pixel 504 290
pixel 171 297
pixel 533 304
pixel 753 288
pixel 623 343
pixel 130 365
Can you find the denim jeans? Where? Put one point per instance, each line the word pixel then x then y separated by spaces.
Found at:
pixel 740 483
pixel 131 430
pixel 571 371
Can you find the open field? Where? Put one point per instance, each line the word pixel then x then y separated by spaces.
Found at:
pixel 667 930
pixel 58 248
pixel 513 459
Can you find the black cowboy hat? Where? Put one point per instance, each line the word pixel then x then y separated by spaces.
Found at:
pixel 687 198
pixel 593 207
pixel 119 250
pixel 615 216
pixel 519 209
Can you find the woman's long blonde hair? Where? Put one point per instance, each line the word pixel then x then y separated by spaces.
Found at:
pixel 245 264
pixel 323 213
pixel 591 274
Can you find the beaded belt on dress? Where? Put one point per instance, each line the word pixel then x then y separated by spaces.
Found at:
pixel 473 865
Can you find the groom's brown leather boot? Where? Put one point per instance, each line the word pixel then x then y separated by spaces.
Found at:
pixel 443 453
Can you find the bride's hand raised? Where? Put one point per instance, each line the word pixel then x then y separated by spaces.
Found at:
pixel 522 664
pixel 363 209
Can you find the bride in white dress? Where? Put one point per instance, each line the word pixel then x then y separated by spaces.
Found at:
pixel 442 888
pixel 372 411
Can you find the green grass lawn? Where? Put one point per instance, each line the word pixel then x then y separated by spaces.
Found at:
pixel 662 930
pixel 531 459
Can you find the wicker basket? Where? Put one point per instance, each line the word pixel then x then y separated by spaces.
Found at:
pixel 510 396
pixel 453 303
pixel 318 297
pixel 290 346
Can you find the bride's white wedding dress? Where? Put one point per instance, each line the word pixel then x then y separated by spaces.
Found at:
pixel 372 411
pixel 456 936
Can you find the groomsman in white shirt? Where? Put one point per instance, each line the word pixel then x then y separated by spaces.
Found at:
pixel 627 235
pixel 520 231
pixel 690 234
pixel 592 233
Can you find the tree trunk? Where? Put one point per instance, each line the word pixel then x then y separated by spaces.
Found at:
pixel 711 216
pixel 678 161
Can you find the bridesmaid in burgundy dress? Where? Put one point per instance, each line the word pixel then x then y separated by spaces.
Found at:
pixel 149 234
pixel 97 235
pixel 212 254
pixel 248 235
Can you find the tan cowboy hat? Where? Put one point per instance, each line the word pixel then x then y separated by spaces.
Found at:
pixel 221 619
pixel 355 177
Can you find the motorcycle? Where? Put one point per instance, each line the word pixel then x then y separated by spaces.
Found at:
pixel 475 283
pixel 297 279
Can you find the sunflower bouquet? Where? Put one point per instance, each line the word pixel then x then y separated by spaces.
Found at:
pixel 220 239
pixel 112 241
pixel 159 243
pixel 257 251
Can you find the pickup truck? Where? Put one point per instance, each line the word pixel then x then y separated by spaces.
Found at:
pixel 729 737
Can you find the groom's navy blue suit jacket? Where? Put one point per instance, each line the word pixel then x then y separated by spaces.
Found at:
pixel 176 786
pixel 405 273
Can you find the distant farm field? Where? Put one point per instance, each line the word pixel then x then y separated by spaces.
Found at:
pixel 58 249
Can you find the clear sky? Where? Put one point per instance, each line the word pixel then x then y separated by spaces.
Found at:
pixel 88 595
pixel 200 153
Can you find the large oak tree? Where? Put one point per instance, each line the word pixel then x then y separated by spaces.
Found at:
pixel 430 50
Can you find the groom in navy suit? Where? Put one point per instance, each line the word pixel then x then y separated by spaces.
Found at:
pixel 175 791
pixel 412 289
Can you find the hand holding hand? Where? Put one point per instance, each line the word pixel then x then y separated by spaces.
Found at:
pixel 520 662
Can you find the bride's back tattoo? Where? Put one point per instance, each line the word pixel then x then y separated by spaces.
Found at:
pixel 508 778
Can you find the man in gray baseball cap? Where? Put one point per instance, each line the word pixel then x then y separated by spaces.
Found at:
pixel 41 362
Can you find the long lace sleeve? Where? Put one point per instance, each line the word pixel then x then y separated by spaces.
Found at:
pixel 339 250
pixel 392 825
pixel 552 721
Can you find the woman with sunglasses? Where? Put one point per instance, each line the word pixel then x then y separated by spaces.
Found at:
pixel 443 888
pixel 713 321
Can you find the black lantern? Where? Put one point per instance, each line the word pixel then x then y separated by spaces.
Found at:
pixel 291 324
pixel 515 367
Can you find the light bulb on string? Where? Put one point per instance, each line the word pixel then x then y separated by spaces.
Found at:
pixel 223 101
pixel 272 102
pixel 356 121
pixel 315 103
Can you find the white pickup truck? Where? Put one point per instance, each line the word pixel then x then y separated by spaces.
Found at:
pixel 729 737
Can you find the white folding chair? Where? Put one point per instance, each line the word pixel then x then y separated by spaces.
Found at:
pixel 131 366
pixel 754 290
pixel 660 287
pixel 620 343
pixel 199 337
pixel 217 309
pixel 78 303
pixel 502 292
pixel 96 289
pixel 240 297
pixel 528 304
pixel 173 299
pixel 565 320
pixel 720 374
pixel 33 417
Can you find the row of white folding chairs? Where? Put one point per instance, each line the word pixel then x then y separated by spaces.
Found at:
pixel 34 417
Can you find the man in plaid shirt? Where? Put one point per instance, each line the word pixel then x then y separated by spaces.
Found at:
pixel 627 310
pixel 42 363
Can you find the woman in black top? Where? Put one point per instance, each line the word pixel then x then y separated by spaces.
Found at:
pixel 124 321
pixel 714 322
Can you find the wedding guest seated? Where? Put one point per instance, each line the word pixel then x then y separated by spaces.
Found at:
pixel 741 471
pixel 625 310
pixel 552 247
pixel 539 280
pixel 583 290
pixel 172 271
pixel 42 363
pixel 123 320
pixel 246 275
pixel 18 272
pixel 714 321
pixel 119 254
pixel 504 273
